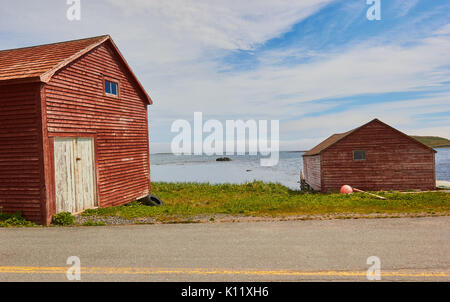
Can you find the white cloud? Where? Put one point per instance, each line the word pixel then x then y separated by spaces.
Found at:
pixel 442 131
pixel 401 115
pixel 269 91
pixel 231 24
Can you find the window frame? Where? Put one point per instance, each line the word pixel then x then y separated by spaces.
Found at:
pixel 359 159
pixel 111 80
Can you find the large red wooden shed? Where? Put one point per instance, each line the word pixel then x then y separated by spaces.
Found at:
pixel 374 156
pixel 73 129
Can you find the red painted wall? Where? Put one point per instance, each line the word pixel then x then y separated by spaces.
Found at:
pixel 75 105
pixel 393 161
pixel 21 169
pixel 311 165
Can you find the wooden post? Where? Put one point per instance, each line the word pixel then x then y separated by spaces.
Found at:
pixel 377 196
pixel 304 187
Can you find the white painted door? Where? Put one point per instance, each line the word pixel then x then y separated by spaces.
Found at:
pixel 75 184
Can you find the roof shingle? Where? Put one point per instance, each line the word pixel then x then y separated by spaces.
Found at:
pixel 328 142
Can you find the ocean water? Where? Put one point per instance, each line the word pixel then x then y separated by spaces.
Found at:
pixel 443 164
pixel 246 168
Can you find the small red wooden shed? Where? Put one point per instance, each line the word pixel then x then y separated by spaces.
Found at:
pixel 73 129
pixel 374 156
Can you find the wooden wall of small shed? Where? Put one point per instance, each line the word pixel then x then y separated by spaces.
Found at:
pixel 76 105
pixel 393 161
pixel 21 171
pixel 311 167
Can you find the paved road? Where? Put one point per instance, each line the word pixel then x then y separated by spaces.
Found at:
pixel 409 249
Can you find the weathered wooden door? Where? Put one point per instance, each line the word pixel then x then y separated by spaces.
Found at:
pixel 75 183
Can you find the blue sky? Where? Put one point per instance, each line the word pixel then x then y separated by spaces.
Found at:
pixel 318 66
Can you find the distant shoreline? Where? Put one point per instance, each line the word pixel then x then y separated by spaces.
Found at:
pixel 169 153
pixel 287 151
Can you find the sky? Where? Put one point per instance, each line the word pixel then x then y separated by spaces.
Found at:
pixel 318 66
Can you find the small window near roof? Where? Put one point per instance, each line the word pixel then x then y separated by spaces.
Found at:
pixel 359 155
pixel 110 87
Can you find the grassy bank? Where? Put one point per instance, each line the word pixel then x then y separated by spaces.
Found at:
pixel 189 201
pixel 433 141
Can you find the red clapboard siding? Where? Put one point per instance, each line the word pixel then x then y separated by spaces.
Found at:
pixel 76 103
pixel 312 171
pixel 20 150
pixel 394 161
pixel 57 90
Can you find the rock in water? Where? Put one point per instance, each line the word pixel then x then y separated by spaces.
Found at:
pixel 223 159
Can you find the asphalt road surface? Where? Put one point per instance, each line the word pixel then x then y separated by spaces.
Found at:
pixel 416 249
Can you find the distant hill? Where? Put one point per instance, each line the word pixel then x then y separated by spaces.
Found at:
pixel 433 141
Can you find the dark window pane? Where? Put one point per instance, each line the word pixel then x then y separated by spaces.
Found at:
pixel 114 88
pixel 107 86
pixel 359 155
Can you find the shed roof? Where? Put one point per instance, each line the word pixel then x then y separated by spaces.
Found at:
pixel 40 63
pixel 327 143
pixel 338 136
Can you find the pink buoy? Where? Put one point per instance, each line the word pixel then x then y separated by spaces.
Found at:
pixel 346 189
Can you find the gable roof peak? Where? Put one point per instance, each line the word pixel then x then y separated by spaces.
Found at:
pixel 39 63
pixel 333 139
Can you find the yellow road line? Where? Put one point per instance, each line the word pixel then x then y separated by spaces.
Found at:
pixel 203 271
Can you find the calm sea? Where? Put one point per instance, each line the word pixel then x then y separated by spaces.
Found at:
pixel 194 168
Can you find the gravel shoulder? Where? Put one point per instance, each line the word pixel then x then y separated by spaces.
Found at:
pixel 223 218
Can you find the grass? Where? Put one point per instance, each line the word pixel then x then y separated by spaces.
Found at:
pixel 14 220
pixel 433 141
pixel 189 200
pixel 186 202
pixel 63 219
